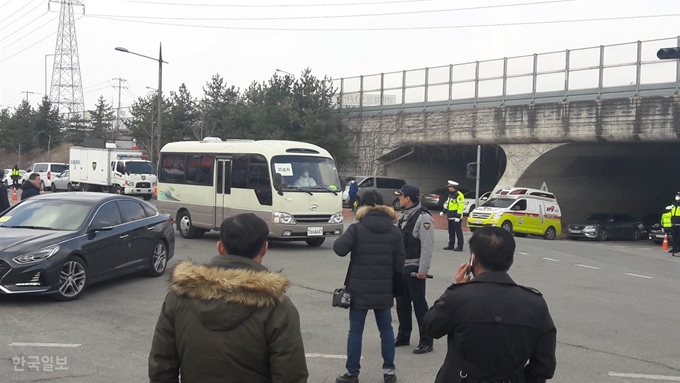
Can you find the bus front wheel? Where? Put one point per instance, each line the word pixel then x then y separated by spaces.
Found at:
pixel 316 242
pixel 185 227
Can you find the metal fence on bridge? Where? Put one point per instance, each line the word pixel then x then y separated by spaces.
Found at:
pixel 611 71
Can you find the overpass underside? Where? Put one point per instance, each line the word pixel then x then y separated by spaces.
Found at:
pixel 598 155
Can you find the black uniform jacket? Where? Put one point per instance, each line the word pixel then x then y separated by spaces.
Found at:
pixel 494 327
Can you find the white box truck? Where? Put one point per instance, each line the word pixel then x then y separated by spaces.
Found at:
pixel 112 170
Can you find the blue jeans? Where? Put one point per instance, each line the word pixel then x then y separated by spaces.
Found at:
pixel 357 319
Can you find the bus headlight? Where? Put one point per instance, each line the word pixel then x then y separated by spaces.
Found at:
pixel 497 216
pixel 284 218
pixel 336 218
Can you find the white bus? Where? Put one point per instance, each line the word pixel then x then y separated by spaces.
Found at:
pixel 293 186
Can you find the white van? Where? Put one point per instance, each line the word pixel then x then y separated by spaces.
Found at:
pixel 521 211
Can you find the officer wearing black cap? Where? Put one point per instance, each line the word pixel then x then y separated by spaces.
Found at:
pixel 497 330
pixel 675 221
pixel 417 229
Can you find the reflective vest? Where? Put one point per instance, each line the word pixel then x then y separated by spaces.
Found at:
pixel 666 220
pixel 457 204
pixel 16 173
pixel 675 214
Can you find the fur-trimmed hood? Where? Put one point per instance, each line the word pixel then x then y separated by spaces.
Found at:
pixel 227 291
pixel 248 287
pixel 378 219
pixel 385 209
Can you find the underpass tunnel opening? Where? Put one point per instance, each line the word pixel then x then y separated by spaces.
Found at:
pixel 430 166
pixel 639 179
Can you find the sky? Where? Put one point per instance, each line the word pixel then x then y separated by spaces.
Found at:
pixel 248 40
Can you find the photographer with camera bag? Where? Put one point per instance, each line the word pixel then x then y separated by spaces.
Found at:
pixel 374 278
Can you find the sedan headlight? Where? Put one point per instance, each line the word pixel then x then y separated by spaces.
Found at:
pixel 281 217
pixel 590 227
pixel 336 218
pixel 36 256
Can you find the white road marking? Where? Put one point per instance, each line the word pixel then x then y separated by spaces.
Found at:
pixel 642 376
pixel 588 267
pixel 523 253
pixel 638 275
pixel 550 259
pixel 66 345
pixel 326 356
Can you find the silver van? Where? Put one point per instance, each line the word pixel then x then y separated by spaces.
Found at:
pixel 385 186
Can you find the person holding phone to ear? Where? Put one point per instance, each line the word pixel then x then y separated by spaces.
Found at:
pixel 494 326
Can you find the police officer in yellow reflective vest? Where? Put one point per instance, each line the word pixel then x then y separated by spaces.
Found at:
pixel 675 221
pixel 666 220
pixel 15 175
pixel 453 208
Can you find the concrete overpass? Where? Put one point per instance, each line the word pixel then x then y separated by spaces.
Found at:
pixel 600 126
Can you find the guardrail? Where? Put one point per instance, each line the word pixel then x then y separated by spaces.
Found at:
pixel 617 70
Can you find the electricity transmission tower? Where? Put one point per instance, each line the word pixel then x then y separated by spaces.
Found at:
pixel 66 91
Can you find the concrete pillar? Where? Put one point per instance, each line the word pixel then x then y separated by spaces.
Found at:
pixel 518 159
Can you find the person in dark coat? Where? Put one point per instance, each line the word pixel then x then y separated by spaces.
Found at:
pixel 31 187
pixel 4 199
pixel 230 320
pixel 494 326
pixel 377 264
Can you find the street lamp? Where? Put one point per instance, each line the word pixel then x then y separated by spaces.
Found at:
pixel 49 54
pixel 160 90
pixel 283 71
pixel 152 133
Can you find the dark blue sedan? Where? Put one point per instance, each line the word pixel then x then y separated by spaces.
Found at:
pixel 61 243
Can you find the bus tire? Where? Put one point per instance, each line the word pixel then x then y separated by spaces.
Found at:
pixel 185 226
pixel 316 242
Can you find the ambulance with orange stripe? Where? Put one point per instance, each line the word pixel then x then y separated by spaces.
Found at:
pixel 521 211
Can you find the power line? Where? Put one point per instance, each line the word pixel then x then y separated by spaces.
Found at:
pixel 391 28
pixel 29 33
pixel 275 5
pixel 2 6
pixel 30 46
pixel 19 18
pixel 340 16
pixel 29 23
pixel 95 85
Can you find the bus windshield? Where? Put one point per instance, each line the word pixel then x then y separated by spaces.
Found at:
pixel 305 173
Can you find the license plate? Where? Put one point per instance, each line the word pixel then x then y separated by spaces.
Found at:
pixel 315 231
pixel 474 222
pixel 575 231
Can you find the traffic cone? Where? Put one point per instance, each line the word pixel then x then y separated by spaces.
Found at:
pixel 665 242
pixel 14 195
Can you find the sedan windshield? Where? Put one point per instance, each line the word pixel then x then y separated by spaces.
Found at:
pixel 47 215
pixel 499 202
pixel 305 173
pixel 139 167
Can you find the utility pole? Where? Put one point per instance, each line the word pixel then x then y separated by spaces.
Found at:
pixel 27 93
pixel 120 88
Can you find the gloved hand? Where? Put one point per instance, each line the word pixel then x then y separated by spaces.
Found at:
pixel 441 213
pixel 456 220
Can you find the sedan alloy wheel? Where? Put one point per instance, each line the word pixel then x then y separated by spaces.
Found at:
pixel 159 260
pixel 72 279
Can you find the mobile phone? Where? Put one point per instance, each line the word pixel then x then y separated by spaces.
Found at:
pixel 469 270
